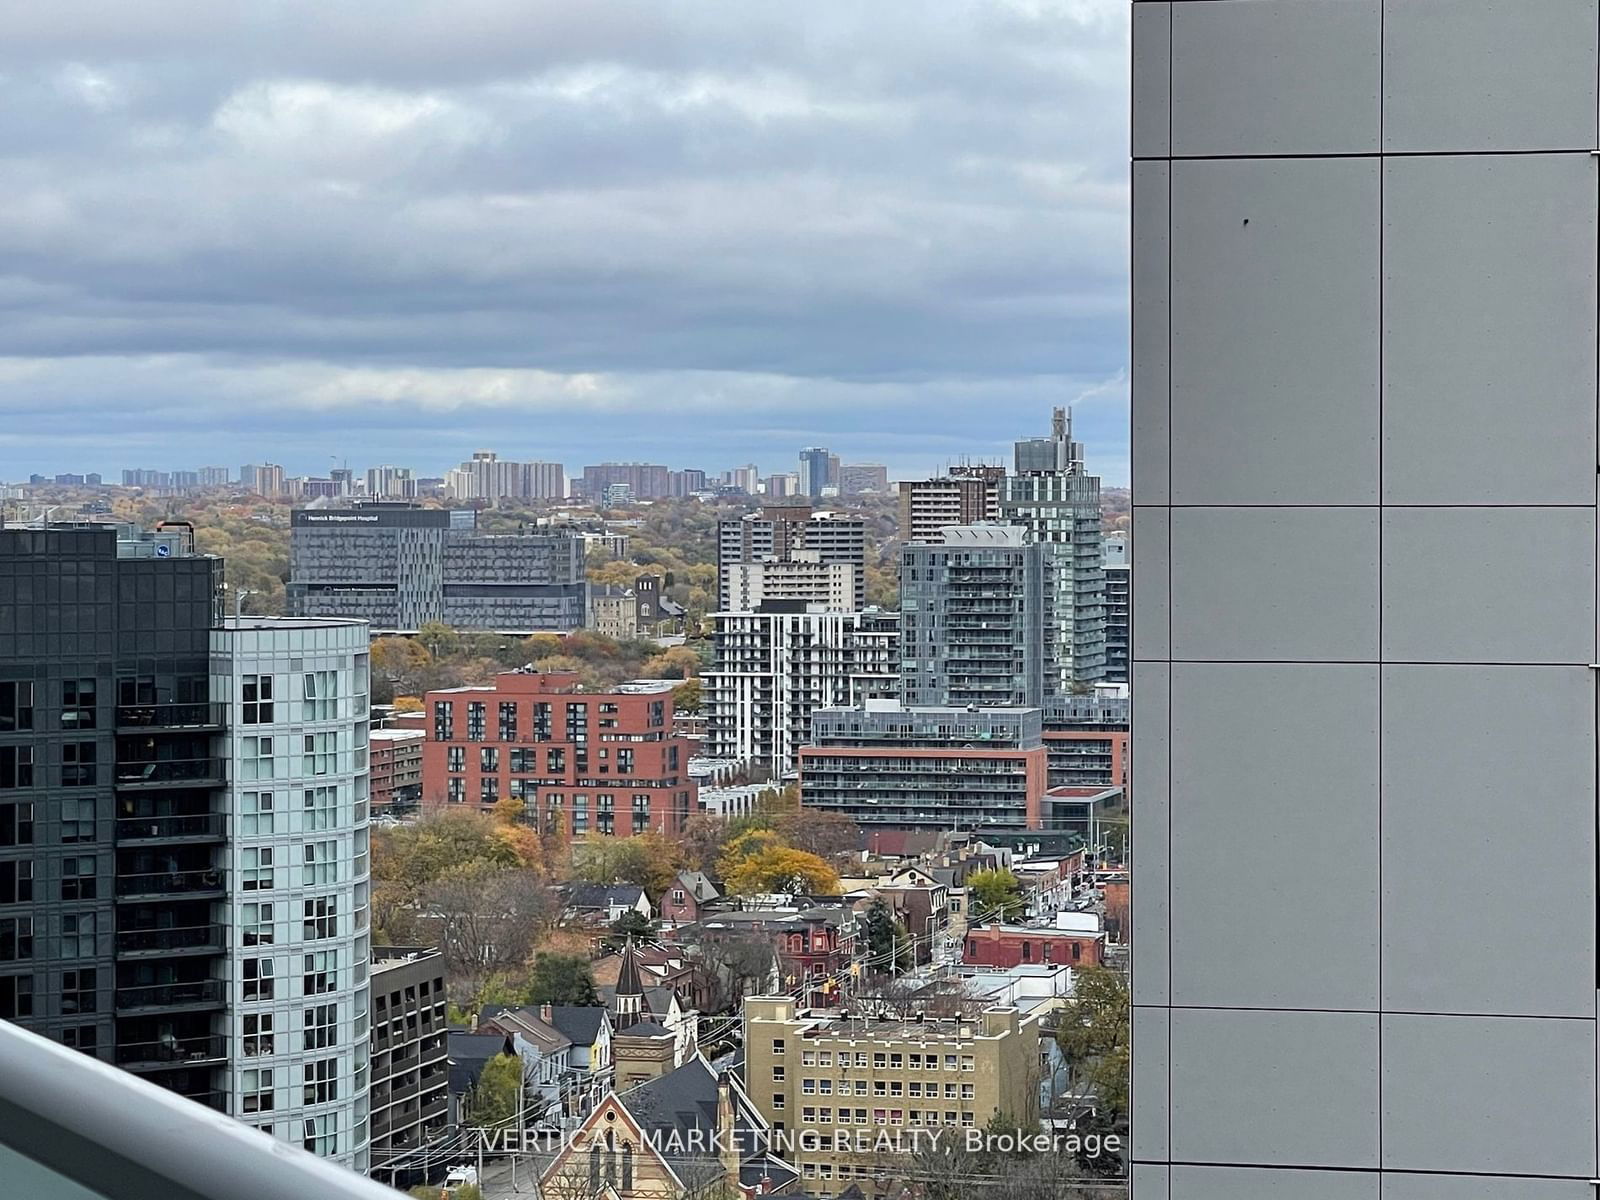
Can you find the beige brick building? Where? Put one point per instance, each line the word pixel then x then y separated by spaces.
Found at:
pixel 852 1098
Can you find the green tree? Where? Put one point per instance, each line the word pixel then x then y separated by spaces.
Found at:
pixel 994 895
pixel 632 926
pixel 562 979
pixel 688 696
pixel 497 1095
pixel 888 945
pixel 439 638
pixel 648 859
pixel 1093 1036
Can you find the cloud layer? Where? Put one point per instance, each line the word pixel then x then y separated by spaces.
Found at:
pixel 700 233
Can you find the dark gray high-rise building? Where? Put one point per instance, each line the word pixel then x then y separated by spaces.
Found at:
pixel 112 799
pixel 971 619
pixel 399 566
pixel 1364 747
pixel 816 471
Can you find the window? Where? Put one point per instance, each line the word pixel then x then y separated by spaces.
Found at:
pixel 455 790
pixel 16 882
pixel 16 996
pixel 16 706
pixel 321 972
pixel 77 821
pixel 321 864
pixel 256 759
pixel 808 1087
pixel 320 805
pixel 16 766
pixel 16 938
pixel 321 1081
pixel 78 704
pixel 489 758
pixel 968 1091
pixel 257 1089
pixel 508 720
pixel 320 695
pixel 321 918
pixel 82 1038
pixel 488 789
pixel 78 878
pixel 455 758
pixel 77 991
pixel 257 875
pixel 524 760
pixel 255 700
pixel 258 979
pixel 78 764
pixel 258 1039
pixel 777 1074
pixel 320 1024
pixel 777 1045
pixel 968 1063
pixel 77 935
pixel 777 1099
pixel 625 762
pixel 320 753
pixel 556 761
pixel 476 720
pixel 255 814
pixel 16 824
pixel 444 721
pixel 255 925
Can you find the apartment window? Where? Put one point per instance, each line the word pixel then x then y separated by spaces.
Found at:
pixel 321 972
pixel 16 824
pixel 78 878
pixel 950 1062
pixel 16 996
pixel 508 720
pixel 524 760
pixel 78 991
pixel 320 695
pixel 77 821
pixel 257 872
pixel 880 1061
pixel 16 938
pixel 476 721
pixel 968 1091
pixel 625 762
pixel 255 924
pixel 444 721
pixel 257 1087
pixel 489 758
pixel 16 766
pixel 16 882
pixel 78 704
pixel 880 1087
pixel 255 700
pixel 321 1023
pixel 777 1074
pixel 808 1058
pixel 320 808
pixel 825 1058
pixel 949 1091
pixel 256 759
pixel 77 935
pixel 321 864
pixel 321 1081
pixel 16 706
pixel 968 1063
pixel 82 1038
pixel 78 767
pixel 455 790
pixel 488 789
pixel 455 759
pixel 258 1036
pixel 556 761
pixel 825 1086
pixel 808 1087
pixel 256 814
pixel 321 918
pixel 258 979
pixel 320 754
pixel 777 1100
pixel 777 1045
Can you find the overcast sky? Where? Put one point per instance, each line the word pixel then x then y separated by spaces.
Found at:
pixel 699 232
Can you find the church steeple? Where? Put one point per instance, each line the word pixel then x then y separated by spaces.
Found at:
pixel 630 989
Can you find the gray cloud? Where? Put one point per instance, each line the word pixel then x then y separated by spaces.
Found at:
pixel 421 226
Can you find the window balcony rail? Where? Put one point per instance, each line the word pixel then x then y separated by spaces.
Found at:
pixel 170 995
pixel 171 1052
pixel 171 883
pixel 169 771
pixel 197 937
pixel 71 1120
pixel 157 829
pixel 202 715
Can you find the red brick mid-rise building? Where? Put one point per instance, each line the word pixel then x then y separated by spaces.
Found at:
pixel 999 945
pixel 586 763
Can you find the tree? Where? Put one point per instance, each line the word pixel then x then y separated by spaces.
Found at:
pixel 994 895
pixel 486 919
pixel 782 869
pixel 646 859
pixel 562 979
pixel 401 665
pixel 439 638
pixel 688 696
pixel 888 945
pixel 828 835
pixel 1093 1036
pixel 736 964
pixel 632 926
pixel 702 841
pixel 497 1095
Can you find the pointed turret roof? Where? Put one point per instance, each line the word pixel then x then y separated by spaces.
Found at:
pixel 628 981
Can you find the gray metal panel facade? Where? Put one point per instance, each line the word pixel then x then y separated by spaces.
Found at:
pixel 1364 751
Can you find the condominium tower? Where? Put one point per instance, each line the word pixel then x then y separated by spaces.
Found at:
pixel 1364 380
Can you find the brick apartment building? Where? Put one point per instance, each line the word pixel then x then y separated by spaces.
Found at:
pixel 997 945
pixel 586 763
pixel 396 763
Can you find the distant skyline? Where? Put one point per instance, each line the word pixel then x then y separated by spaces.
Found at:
pixel 700 235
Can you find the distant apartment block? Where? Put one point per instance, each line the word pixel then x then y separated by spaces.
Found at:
pixel 929 506
pixel 586 764
pixel 686 482
pixel 1119 599
pixel 777 531
pixel 973 617
pixel 488 477
pixel 1087 737
pixel 400 566
pixel 775 667
pixel 858 478
pixel 648 481
pixel 801 576
pixel 391 483
pixel 883 764
pixel 819 472
pixel 396 769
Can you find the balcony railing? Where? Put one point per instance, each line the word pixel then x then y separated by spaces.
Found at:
pixel 171 883
pixel 198 937
pixel 195 827
pixel 172 1052
pixel 170 716
pixel 169 771
pixel 170 995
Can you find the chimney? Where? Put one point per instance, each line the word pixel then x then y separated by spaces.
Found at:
pixel 546 1013
pixel 472 1025
pixel 727 1139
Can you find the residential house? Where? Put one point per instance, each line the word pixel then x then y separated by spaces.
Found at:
pixel 567 1047
pixel 605 903
pixel 813 944
pixel 691 896
pixel 1077 940
pixel 469 1052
